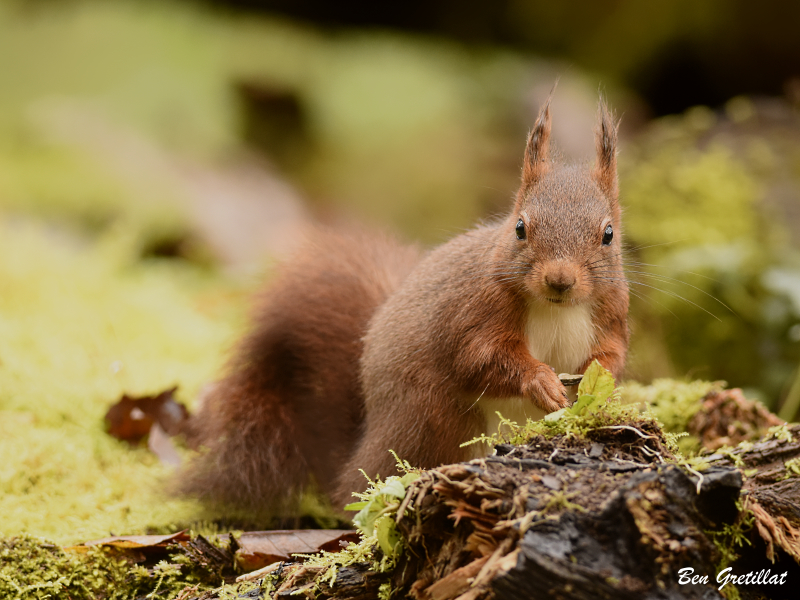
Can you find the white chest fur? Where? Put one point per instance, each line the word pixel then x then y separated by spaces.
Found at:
pixel 560 336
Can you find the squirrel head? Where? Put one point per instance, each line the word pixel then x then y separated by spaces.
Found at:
pixel 563 235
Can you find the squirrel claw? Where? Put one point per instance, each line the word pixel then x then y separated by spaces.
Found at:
pixel 546 390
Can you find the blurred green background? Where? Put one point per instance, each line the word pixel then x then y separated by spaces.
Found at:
pixel 156 158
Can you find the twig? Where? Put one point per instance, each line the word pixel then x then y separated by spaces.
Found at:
pixel 633 429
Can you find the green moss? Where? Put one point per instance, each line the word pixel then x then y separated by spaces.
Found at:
pixel 728 540
pixel 34 569
pixel 240 590
pixel 68 186
pixel 560 501
pixel 599 405
pixel 780 432
pixel 674 403
pixel 80 324
pixel 700 197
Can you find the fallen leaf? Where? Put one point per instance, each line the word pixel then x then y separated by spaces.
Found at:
pixel 161 445
pixel 132 418
pixel 143 543
pixel 258 549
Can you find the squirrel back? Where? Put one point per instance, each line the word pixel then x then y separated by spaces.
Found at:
pixel 373 349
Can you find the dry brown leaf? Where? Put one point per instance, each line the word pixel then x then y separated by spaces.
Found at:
pixel 258 549
pixel 131 418
pixel 134 542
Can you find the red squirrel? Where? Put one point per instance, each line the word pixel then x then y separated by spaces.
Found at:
pixel 362 345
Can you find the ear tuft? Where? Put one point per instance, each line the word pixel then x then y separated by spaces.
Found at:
pixel 605 172
pixel 537 151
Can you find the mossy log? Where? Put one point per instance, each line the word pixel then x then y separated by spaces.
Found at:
pixel 566 518
pixel 771 493
pixel 609 516
pixel 594 504
pixel 602 517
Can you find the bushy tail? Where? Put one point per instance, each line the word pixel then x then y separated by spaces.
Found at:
pixel 291 406
pixel 249 457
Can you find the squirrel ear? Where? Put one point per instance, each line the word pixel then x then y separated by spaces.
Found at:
pixel 537 151
pixel 605 172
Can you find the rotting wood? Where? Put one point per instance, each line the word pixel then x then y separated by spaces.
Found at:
pixel 771 489
pixel 605 516
pixel 600 517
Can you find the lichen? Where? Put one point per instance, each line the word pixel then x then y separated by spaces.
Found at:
pixel 792 467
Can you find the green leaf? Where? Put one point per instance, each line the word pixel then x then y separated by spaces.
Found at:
pixel 365 519
pixel 393 488
pixel 555 416
pixel 388 537
pixel 581 403
pixel 597 381
pixel 382 496
pixel 597 405
pixel 409 478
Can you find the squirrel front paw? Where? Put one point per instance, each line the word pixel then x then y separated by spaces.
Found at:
pixel 545 389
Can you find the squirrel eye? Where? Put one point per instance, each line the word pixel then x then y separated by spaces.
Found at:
pixel 608 235
pixel 520 230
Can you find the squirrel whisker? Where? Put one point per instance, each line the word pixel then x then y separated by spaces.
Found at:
pixel 666 279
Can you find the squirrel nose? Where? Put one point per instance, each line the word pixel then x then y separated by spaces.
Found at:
pixel 559 282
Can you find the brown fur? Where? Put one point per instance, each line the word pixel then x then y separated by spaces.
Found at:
pixel 435 338
pixel 291 405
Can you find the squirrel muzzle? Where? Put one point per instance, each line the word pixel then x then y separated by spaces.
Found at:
pixel 559 281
